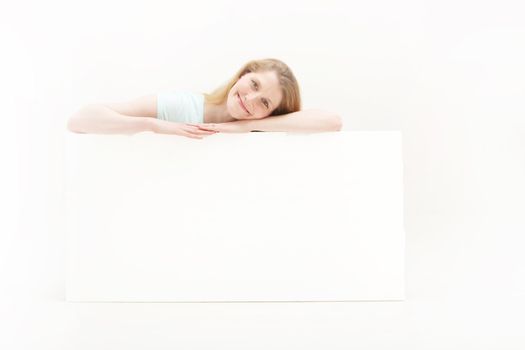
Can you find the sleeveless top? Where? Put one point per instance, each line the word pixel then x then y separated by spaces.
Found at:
pixel 180 106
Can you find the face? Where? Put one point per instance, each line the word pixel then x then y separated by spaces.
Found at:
pixel 254 96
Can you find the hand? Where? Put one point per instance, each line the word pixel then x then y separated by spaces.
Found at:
pixel 182 129
pixel 236 126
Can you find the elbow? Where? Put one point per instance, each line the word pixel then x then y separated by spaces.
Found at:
pixel 336 123
pixel 73 125
pixel 76 122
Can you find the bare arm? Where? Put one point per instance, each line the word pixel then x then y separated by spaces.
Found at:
pixel 100 119
pixel 109 119
pixel 308 120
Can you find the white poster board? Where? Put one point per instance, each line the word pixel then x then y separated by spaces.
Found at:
pixel 235 217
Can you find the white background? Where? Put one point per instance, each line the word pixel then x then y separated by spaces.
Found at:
pixel 449 74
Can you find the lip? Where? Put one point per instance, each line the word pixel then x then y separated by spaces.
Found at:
pixel 242 104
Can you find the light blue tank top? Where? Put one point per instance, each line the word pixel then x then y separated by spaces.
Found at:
pixel 180 106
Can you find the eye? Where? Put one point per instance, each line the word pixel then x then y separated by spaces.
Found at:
pixel 254 84
pixel 265 103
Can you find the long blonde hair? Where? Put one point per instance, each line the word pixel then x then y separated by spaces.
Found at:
pixel 291 101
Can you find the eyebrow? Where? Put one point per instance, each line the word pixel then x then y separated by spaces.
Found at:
pixel 259 82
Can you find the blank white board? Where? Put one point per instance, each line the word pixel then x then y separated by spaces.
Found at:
pixel 235 217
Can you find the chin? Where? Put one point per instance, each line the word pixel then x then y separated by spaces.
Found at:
pixel 232 111
pixel 235 116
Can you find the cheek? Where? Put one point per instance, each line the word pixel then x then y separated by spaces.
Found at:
pixel 231 104
pixel 243 89
pixel 259 115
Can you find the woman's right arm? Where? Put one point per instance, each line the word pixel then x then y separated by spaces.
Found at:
pixel 100 119
pixel 130 117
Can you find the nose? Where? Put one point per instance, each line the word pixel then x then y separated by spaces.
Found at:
pixel 252 95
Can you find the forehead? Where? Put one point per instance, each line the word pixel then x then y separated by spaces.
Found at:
pixel 269 84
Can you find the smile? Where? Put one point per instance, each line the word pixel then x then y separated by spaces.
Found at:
pixel 242 104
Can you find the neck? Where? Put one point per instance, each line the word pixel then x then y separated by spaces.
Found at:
pixel 216 113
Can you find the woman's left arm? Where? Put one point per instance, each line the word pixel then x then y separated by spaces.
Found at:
pixel 301 121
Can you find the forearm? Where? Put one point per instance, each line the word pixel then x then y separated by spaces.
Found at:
pixel 98 119
pixel 301 121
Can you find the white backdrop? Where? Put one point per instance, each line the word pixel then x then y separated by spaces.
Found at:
pixel 449 74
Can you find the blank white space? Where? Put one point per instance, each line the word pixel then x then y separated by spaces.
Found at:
pixel 266 216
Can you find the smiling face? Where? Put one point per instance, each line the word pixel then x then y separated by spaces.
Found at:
pixel 254 96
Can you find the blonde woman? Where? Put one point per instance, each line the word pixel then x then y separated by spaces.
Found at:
pixel 262 96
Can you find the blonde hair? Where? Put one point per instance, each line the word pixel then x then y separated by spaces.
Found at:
pixel 291 101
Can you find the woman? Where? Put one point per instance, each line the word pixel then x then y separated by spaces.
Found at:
pixel 262 96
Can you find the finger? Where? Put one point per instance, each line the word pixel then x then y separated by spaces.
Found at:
pixel 201 125
pixel 204 132
pixel 193 136
pixel 191 127
pixel 199 131
pixel 209 129
pixel 207 126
